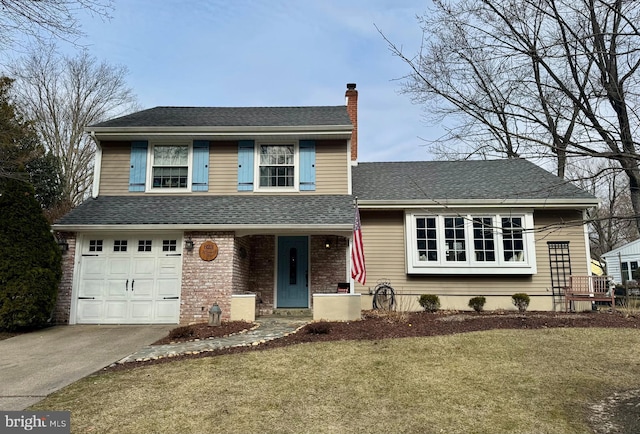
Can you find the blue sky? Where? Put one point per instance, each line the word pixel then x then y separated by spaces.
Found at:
pixel 272 53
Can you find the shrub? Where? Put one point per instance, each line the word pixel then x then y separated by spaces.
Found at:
pixel 318 328
pixel 477 303
pixel 184 332
pixel 30 260
pixel 521 301
pixel 429 302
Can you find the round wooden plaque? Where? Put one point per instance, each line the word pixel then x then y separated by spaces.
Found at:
pixel 208 251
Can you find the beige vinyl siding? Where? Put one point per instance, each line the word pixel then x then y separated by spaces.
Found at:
pixel 384 245
pixel 114 172
pixel 332 169
pixel 554 230
pixel 223 167
pixel 383 242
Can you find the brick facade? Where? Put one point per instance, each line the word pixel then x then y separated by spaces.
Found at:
pixel 262 275
pixel 241 265
pixel 62 310
pixel 328 266
pixel 207 282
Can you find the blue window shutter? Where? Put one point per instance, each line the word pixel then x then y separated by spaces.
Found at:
pixel 307 165
pixel 138 169
pixel 200 178
pixel 245 165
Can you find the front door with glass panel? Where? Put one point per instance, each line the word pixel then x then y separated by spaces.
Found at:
pixel 293 275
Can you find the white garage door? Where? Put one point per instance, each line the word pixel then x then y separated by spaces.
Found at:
pixel 129 279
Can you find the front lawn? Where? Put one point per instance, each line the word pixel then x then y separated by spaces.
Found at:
pixel 500 381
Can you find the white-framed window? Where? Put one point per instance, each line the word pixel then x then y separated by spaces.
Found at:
pixel 145 245
pixel 277 166
pixel 470 243
pixel 484 244
pixel 629 270
pixel 169 245
pixel 119 245
pixel 169 167
pixel 95 245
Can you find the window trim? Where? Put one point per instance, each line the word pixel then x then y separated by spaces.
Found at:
pixel 149 182
pixel 471 265
pixel 627 274
pixel 296 166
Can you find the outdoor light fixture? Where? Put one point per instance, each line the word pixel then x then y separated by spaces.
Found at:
pixel 188 244
pixel 62 243
pixel 327 244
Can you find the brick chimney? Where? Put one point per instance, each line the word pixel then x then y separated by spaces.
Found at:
pixel 352 109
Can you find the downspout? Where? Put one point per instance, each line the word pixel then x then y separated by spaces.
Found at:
pixel 587 244
pixel 97 164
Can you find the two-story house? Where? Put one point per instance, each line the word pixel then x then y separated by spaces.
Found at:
pixel 252 208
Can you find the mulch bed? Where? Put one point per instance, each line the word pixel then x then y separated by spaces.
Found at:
pixel 375 326
pixel 204 331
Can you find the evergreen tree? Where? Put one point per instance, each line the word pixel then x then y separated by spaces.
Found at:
pixel 30 260
pixel 21 150
pixel 18 140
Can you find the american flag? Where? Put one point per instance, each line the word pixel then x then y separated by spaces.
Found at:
pixel 358 270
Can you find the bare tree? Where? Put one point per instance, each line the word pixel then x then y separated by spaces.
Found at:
pixel 544 78
pixel 613 223
pixel 57 18
pixel 64 94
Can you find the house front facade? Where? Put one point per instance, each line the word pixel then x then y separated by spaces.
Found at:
pixel 252 208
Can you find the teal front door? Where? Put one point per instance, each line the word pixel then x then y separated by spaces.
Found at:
pixel 293 272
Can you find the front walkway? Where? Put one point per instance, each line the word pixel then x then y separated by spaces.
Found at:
pixel 268 328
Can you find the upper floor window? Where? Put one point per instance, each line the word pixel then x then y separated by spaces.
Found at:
pixel 170 166
pixel 277 166
pixel 270 166
pixel 479 244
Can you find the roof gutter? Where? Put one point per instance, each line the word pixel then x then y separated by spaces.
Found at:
pixel 581 203
pixel 226 131
pixel 246 229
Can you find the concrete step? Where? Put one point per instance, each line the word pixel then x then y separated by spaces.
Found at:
pixel 292 313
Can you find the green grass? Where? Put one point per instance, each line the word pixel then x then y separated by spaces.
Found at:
pixel 486 382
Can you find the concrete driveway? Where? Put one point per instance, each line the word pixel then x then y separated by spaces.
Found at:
pixel 33 365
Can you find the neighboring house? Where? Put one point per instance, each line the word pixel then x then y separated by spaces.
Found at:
pixel 252 208
pixel 596 268
pixel 622 263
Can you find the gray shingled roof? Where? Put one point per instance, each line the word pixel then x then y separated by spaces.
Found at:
pixel 451 180
pixel 232 116
pixel 395 181
pixel 219 210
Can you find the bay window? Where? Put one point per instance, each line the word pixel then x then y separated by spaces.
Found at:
pixel 487 243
